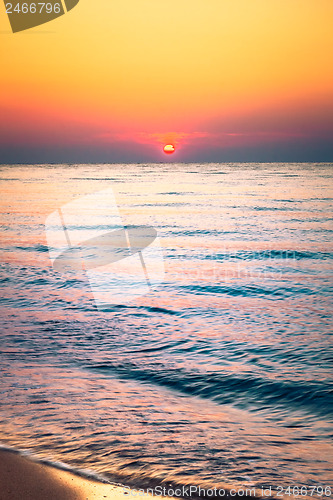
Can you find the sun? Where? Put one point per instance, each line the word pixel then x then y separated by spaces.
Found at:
pixel 169 149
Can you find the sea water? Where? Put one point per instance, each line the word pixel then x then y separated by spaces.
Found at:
pixel 221 375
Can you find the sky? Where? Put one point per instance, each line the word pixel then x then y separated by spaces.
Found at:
pixel 222 80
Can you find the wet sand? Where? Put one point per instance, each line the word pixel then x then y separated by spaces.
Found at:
pixel 22 478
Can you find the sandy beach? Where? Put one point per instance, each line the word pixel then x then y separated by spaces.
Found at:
pixel 22 478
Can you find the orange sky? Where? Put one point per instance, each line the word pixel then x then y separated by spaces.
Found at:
pixel 217 77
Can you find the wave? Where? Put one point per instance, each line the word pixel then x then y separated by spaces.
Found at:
pixel 310 397
pixel 267 254
pixel 276 292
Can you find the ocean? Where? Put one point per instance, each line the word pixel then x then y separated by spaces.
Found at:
pixel 220 376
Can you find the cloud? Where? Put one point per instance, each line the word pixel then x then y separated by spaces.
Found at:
pixel 153 138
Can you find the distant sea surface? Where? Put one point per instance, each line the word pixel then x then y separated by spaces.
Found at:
pixel 222 376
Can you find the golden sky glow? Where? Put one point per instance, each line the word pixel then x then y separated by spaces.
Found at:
pixel 113 71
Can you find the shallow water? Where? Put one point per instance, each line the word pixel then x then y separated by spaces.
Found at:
pixel 220 376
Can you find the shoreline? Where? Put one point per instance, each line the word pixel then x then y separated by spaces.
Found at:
pixel 22 477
